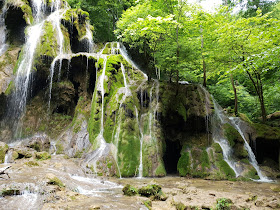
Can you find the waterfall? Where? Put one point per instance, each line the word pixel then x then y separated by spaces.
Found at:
pixel 227 151
pixel 55 19
pixel 3 45
pixel 23 81
pixel 39 9
pixel 124 53
pixel 217 134
pixel 24 71
pixel 236 122
pixel 140 168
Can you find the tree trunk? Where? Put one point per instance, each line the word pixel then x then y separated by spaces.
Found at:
pixel 259 90
pixel 177 54
pixel 204 73
pixel 203 60
pixel 235 96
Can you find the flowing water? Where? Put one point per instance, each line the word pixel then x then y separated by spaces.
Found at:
pixel 24 72
pixel 3 45
pixel 217 134
pixel 23 81
pixel 236 122
pixel 218 137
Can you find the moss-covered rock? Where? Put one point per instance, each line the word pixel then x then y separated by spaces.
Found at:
pixel 184 164
pixel 232 135
pixel 53 180
pixel 3 149
pixel 130 190
pixel 154 191
pixel 42 155
pixel 9 192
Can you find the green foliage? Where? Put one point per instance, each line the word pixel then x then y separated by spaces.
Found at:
pixel 230 45
pixel 223 204
pixel 103 14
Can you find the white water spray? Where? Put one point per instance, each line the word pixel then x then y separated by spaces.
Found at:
pixel 236 122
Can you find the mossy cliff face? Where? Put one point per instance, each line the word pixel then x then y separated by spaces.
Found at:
pixel 76 23
pixel 7 63
pixel 137 119
pixel 18 16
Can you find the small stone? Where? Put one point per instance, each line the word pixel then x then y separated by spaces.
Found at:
pixel 259 203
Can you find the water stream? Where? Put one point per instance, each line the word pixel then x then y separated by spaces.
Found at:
pixel 236 122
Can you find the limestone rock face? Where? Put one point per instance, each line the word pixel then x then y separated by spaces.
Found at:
pixel 99 107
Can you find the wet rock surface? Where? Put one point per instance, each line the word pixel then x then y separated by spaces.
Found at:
pixel 60 183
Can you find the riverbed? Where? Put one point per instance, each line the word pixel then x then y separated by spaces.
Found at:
pixel 30 182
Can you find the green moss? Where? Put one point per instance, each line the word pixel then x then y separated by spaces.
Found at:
pixel 224 204
pixel 184 166
pixel 31 163
pixel 205 162
pixel 59 148
pixel 232 135
pixel 149 190
pixel 9 192
pixel 56 181
pixel 10 88
pixel 160 170
pixel 77 126
pixel 240 151
pixel 252 174
pixel 148 204
pixel 15 155
pixel 180 206
pixel 77 18
pixel 267 132
pixel 26 9
pixel 245 160
pixel 217 148
pixel 182 111
pixel 129 190
pixel 3 149
pixel 226 169
pixel 48 46
pixel 42 156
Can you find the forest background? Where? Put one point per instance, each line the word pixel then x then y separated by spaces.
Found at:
pixel 232 51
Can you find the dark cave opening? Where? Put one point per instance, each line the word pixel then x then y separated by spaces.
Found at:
pixel 171 156
pixel 61 110
pixel 15 26
pixel 267 151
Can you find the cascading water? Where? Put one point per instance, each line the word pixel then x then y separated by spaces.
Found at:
pixel 236 122
pixel 218 121
pixel 23 81
pixel 100 139
pixel 3 45
pixel 227 151
pixel 24 71
pixel 140 169
pixel 39 9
